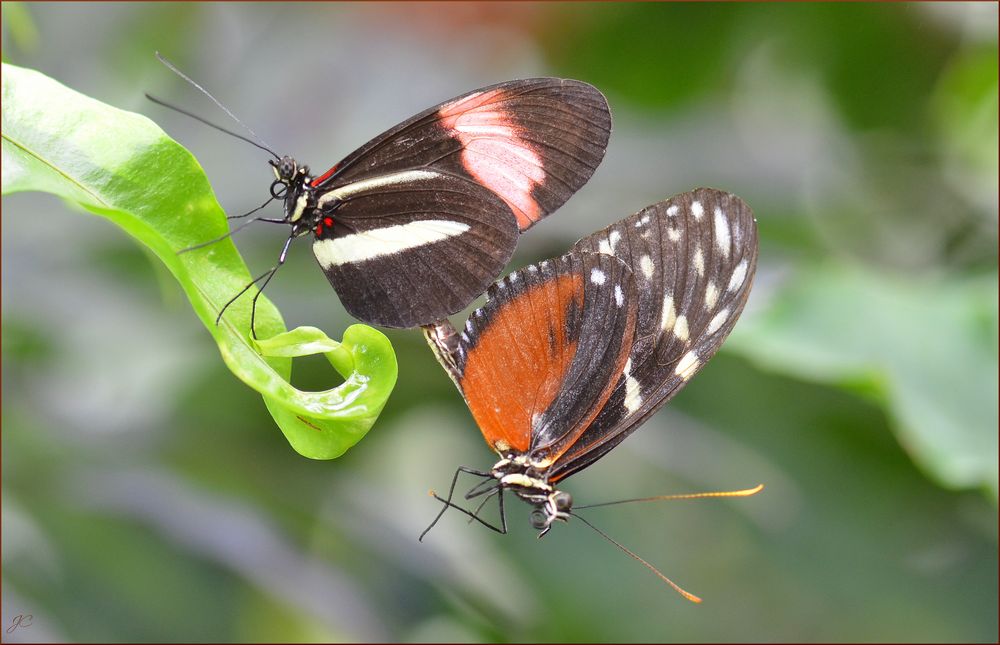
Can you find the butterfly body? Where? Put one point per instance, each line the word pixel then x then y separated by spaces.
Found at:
pixel 529 481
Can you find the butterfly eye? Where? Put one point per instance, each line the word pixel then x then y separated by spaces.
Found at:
pixel 538 519
pixel 563 501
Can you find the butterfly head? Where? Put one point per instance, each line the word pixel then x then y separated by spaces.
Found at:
pixel 287 174
pixel 285 170
pixel 527 479
pixel 291 185
pixel 557 506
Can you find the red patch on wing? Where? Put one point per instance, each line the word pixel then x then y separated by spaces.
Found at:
pixel 516 368
pixel 495 153
pixel 327 222
pixel 326 175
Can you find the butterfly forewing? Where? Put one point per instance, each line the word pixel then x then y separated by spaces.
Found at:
pixel 538 361
pixel 534 142
pixel 693 257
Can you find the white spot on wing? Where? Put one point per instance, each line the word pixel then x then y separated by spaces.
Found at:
pixel 739 275
pixel 697 210
pixel 367 245
pixel 672 210
pixel 711 295
pixel 619 296
pixel 607 247
pixel 687 366
pixel 646 264
pixel 633 400
pixel 597 276
pixel 721 232
pixel 699 262
pixel 674 234
pixel 669 315
pixel 681 328
pixel 717 321
pixel 642 221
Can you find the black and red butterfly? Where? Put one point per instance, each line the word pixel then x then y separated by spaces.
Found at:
pixel 570 356
pixel 415 224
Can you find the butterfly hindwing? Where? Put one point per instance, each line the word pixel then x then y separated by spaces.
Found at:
pixel 405 254
pixel 537 362
pixel 693 257
pixel 533 142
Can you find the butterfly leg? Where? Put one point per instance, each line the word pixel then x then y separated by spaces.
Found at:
pixel 489 488
pixel 269 200
pixel 242 291
pixel 233 231
pixel 446 503
pixel 281 260
pixel 503 521
pixel 266 277
pixel 487 496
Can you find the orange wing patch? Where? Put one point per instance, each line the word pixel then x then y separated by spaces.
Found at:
pixel 517 365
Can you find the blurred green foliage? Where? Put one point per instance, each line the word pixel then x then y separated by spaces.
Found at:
pixel 146 496
pixel 883 349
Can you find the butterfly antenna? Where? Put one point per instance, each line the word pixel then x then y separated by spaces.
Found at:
pixel 257 141
pixel 728 493
pixel 687 594
pixel 209 123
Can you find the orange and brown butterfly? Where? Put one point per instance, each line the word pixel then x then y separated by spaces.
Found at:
pixel 571 355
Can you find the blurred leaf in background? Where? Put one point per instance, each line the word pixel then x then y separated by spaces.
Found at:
pixel 926 351
pixel 149 498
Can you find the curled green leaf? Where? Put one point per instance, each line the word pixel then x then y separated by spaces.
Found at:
pixel 123 167
pixel 366 361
